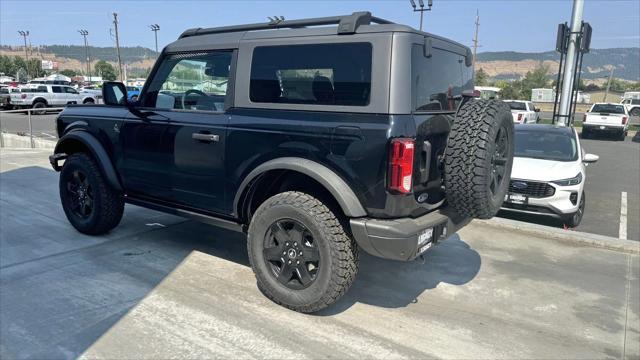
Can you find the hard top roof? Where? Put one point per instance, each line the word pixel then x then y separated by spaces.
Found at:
pixel 230 36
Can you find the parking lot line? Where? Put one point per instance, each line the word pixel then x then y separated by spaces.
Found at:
pixel 622 234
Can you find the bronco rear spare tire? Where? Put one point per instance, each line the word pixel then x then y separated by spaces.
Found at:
pixel 478 158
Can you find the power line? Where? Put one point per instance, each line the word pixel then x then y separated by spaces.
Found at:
pixel 115 24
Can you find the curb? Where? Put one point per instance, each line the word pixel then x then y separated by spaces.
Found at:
pixel 567 236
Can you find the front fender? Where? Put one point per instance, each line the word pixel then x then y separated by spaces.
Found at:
pixel 78 139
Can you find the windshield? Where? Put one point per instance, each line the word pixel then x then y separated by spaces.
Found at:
pixel 516 105
pixel 608 108
pixel 546 145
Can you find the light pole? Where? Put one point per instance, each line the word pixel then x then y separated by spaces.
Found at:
pixel 422 9
pixel 155 28
pixel 84 34
pixel 24 34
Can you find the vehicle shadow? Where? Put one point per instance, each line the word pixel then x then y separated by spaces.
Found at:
pixel 47 266
pixel 531 218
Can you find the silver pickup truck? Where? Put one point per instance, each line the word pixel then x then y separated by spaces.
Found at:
pixel 42 96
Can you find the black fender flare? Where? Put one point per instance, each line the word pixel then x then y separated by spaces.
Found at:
pixel 340 190
pixel 98 152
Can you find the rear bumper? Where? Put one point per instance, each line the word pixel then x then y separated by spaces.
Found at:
pixel 604 127
pixel 404 239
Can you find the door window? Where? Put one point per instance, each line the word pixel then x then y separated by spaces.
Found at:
pixel 70 90
pixel 56 89
pixel 193 81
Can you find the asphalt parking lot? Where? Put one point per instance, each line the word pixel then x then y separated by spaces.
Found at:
pixel 44 126
pixel 617 172
pixel 163 287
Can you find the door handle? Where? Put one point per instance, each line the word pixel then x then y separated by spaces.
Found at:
pixel 205 137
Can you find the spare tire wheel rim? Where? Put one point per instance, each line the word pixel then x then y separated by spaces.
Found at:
pixel 499 161
pixel 291 254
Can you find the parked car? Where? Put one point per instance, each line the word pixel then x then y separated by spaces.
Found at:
pixel 548 173
pixel 42 96
pixel 133 92
pixel 5 98
pixel 523 112
pixel 632 106
pixel 315 141
pixel 606 117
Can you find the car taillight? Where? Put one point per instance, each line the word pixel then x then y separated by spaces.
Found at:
pixel 401 165
pixel 23 96
pixel 624 120
pixel 519 117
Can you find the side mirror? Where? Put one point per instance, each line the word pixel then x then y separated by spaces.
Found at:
pixel 590 158
pixel 114 93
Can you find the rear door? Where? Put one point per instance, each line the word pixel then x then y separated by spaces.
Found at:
pixel 58 98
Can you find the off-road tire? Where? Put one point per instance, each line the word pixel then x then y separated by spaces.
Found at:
pixel 108 202
pixel 469 158
pixel 338 252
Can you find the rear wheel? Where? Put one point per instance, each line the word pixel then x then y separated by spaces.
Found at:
pixel 88 101
pixel 622 135
pixel 479 157
pixel 635 111
pixel 39 108
pixel 300 253
pixel 88 201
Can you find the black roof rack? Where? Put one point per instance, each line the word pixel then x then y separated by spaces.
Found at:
pixel 347 24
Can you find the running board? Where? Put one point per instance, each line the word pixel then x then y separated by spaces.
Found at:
pixel 207 219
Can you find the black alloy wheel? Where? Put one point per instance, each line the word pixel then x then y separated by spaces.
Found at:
pixel 292 254
pixel 80 194
pixel 499 160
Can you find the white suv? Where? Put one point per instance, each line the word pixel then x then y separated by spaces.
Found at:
pixel 548 173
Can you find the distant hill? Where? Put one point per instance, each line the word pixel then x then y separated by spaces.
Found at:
pixel 596 65
pixel 499 65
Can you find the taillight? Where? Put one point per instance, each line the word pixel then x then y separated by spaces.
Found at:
pixel 624 120
pixel 23 96
pixel 401 164
pixel 519 117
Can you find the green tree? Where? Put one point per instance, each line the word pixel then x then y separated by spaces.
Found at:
pixel 105 70
pixel 35 68
pixel 68 72
pixel 7 66
pixel 510 90
pixel 536 79
pixel 481 78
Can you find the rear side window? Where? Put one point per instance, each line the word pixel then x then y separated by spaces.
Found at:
pixel 56 89
pixel 42 89
pixel 317 74
pixel 438 81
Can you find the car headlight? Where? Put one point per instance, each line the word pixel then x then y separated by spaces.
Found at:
pixel 568 182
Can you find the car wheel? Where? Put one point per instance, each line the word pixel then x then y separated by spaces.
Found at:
pixel 39 108
pixel 88 201
pixel 300 253
pixel 89 102
pixel 134 98
pixel 478 158
pixel 635 111
pixel 575 218
pixel 585 133
pixel 623 135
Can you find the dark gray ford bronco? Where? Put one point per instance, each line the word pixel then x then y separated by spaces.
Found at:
pixel 317 137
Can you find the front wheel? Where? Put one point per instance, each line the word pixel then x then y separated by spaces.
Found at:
pixel 575 218
pixel 300 253
pixel 39 108
pixel 88 201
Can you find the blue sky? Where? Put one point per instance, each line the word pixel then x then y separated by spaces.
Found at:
pixel 518 25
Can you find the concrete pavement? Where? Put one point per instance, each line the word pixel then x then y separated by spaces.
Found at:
pixel 159 287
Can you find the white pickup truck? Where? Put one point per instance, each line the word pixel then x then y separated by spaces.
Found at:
pixel 42 96
pixel 631 100
pixel 606 117
pixel 523 112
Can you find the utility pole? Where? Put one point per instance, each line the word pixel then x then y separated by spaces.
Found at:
pixel 475 38
pixel 606 93
pixel 24 34
pixel 155 28
pixel 570 63
pixel 422 9
pixel 115 24
pixel 84 34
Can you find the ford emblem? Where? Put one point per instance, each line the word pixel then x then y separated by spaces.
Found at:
pixel 519 185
